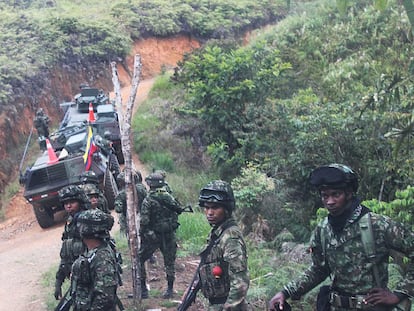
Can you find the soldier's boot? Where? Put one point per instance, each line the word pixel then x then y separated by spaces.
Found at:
pixel 144 290
pixel 169 292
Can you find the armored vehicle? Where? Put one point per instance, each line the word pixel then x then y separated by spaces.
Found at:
pixel 66 156
pixel 90 95
pixel 47 176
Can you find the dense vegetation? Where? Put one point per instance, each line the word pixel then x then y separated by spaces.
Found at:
pixel 37 34
pixel 321 86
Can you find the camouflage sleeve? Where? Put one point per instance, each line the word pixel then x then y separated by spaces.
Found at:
pixel 120 203
pixel 104 281
pixel 314 275
pixel 145 213
pixel 401 239
pixel 235 255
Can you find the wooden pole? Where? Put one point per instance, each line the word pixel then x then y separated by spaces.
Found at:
pixel 133 216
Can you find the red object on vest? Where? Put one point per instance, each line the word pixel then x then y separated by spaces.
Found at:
pixel 217 272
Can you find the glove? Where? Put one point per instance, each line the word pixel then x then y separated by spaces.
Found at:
pixel 58 289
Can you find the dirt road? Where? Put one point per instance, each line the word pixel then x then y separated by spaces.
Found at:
pixel 27 251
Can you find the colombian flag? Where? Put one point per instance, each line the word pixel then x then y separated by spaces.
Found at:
pixel 90 149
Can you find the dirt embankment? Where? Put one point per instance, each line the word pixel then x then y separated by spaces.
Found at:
pixel 26 250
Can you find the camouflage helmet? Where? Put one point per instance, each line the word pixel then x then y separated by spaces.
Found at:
pixel 89 177
pixel 107 135
pixel 218 191
pixel 39 112
pixel 155 180
pixel 73 192
pixel 94 223
pixel 137 176
pixel 337 176
pixel 91 189
pixel 120 179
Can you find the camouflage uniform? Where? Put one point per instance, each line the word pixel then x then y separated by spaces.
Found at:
pixel 159 221
pixel 120 200
pixel 94 273
pixel 229 253
pixel 41 123
pixel 92 189
pixel 346 260
pixel 226 251
pixel 89 181
pixel 338 251
pixel 72 245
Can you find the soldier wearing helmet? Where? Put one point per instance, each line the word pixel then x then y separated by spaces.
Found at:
pixel 90 182
pixel 41 123
pixel 94 273
pixel 340 249
pixel 120 200
pixel 223 271
pixel 94 194
pixel 74 201
pixel 159 221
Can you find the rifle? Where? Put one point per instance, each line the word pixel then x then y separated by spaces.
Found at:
pixel 190 293
pixel 187 209
pixel 66 302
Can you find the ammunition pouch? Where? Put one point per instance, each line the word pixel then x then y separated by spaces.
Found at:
pixel 81 271
pixel 71 249
pixel 214 288
pixel 166 226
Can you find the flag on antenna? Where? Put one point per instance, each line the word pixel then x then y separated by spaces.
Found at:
pixel 90 149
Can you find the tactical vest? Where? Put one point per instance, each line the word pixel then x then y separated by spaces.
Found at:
pixel 163 218
pixel 368 242
pixel 214 272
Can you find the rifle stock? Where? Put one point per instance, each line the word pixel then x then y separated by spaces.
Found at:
pixel 190 294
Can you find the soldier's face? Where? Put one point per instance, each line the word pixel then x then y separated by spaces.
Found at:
pixel 94 199
pixel 215 213
pixel 71 206
pixel 335 200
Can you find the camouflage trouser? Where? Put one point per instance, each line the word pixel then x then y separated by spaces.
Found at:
pixel 122 223
pixel 167 244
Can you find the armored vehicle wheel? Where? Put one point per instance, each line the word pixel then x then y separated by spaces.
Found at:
pixel 44 216
pixel 120 156
pixel 114 165
pixel 110 188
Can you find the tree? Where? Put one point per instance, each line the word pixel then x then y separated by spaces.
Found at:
pixel 133 216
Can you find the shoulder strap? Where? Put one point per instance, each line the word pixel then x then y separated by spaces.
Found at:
pixel 367 237
pixel 323 237
pixel 213 240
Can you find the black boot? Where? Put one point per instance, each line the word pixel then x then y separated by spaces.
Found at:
pixel 144 290
pixel 169 292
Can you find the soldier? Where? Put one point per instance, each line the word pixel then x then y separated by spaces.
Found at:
pixel 94 273
pixel 41 123
pixel 159 221
pixel 89 178
pixel 223 271
pixel 74 201
pixel 120 200
pixel 93 194
pixel 359 278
